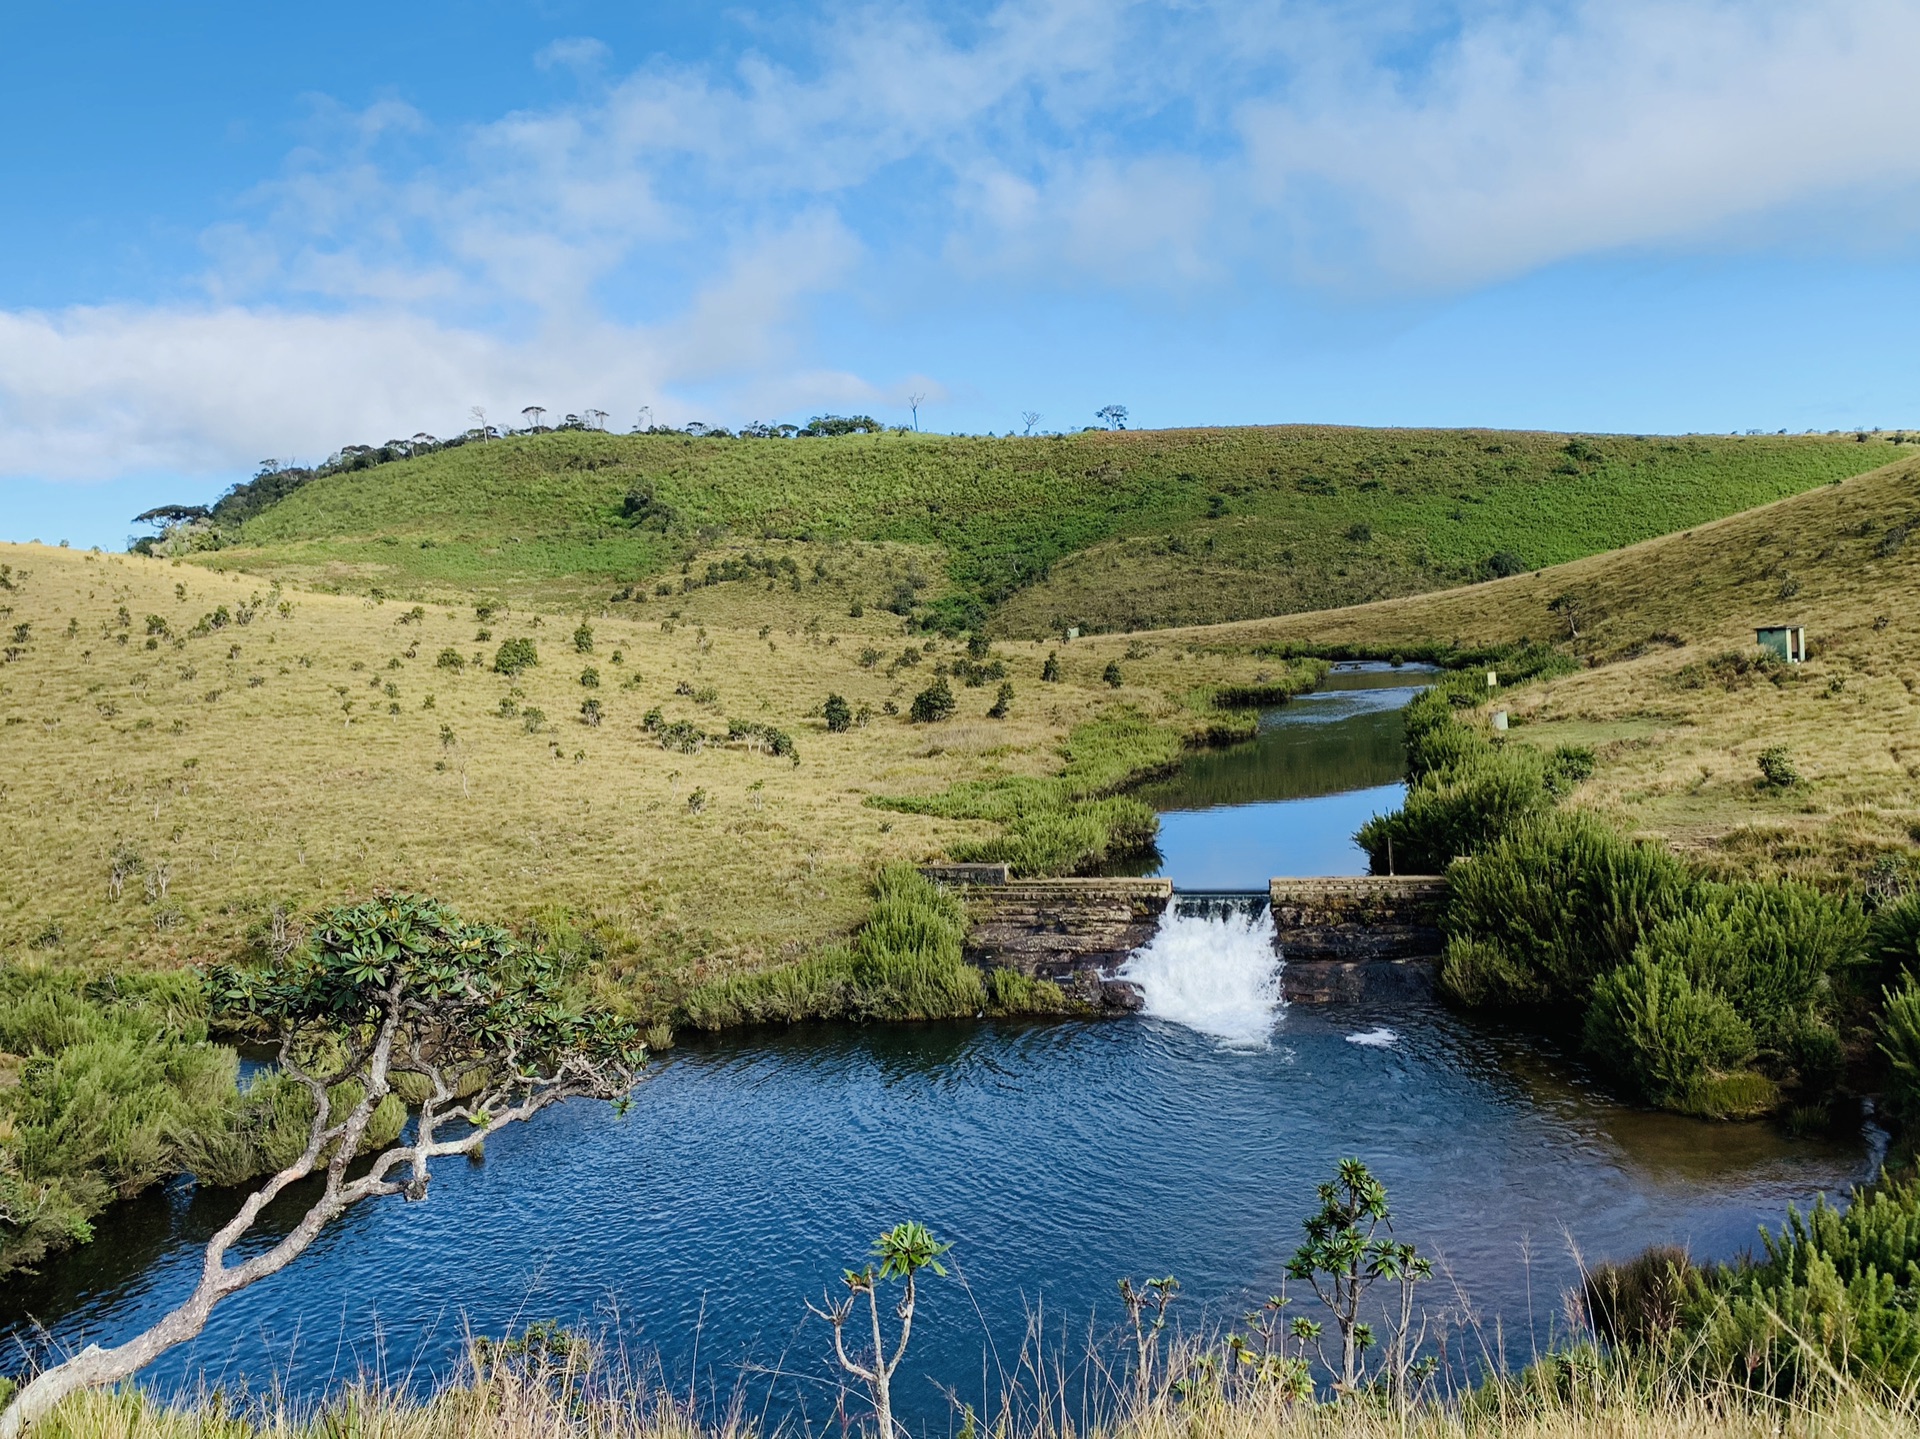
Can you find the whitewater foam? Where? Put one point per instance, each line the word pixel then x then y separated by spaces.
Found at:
pixel 1379 1037
pixel 1215 973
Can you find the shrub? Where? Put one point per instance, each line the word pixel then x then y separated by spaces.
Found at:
pixel 1567 768
pixel 583 638
pixel 932 704
pixel 904 962
pixel 515 655
pixel 1111 674
pixel 1503 563
pixel 1457 811
pixel 1002 702
pixel 1637 1304
pixel 1836 1295
pixel 1768 948
pixel 1893 940
pixel 1563 901
pixel 838 714
pixel 590 678
pixel 120 1087
pixel 682 737
pixel 1777 767
pixel 1050 671
pixel 1662 1035
pixel 590 713
pixel 1900 1044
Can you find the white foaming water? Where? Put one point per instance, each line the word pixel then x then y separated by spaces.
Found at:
pixel 1377 1038
pixel 1213 973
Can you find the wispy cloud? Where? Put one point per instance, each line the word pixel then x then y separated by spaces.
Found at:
pixel 674 229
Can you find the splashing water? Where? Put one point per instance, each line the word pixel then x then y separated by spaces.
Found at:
pixel 1379 1037
pixel 1215 973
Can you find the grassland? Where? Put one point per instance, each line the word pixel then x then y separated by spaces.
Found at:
pixel 1671 701
pixel 167 794
pixel 1107 531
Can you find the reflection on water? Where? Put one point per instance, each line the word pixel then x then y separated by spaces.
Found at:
pixel 1288 801
pixel 1059 1157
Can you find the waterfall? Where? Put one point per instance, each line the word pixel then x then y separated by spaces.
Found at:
pixel 1211 967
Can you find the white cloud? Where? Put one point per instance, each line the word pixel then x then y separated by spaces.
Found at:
pixel 669 231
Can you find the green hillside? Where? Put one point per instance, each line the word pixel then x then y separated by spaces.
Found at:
pixel 1107 530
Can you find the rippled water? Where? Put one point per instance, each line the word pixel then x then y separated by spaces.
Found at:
pixel 1058 1157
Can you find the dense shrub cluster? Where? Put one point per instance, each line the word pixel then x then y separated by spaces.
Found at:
pixel 904 962
pixel 111 1086
pixel 1836 1295
pixel 1698 996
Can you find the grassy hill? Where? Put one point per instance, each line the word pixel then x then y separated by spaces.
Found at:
pixel 1675 699
pixel 189 754
pixel 1106 531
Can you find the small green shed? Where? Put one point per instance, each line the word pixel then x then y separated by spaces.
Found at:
pixel 1787 641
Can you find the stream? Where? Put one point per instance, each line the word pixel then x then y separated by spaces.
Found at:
pixel 1057 1156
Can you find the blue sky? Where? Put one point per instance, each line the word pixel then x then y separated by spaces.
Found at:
pixel 236 231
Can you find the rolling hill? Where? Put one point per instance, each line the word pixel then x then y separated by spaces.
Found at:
pixel 1106 531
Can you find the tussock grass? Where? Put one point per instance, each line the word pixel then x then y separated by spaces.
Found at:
pixel 1552 1400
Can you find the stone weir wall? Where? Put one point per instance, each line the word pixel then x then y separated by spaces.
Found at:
pixel 1363 917
pixel 1075 932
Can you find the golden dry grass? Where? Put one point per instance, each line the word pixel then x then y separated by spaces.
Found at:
pixel 517 1410
pixel 1680 760
pixel 268 764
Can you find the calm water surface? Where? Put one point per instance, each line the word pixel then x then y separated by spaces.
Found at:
pixel 1058 1157
pixel 1288 801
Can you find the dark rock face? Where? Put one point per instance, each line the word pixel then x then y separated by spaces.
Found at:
pixel 1367 917
pixel 1074 932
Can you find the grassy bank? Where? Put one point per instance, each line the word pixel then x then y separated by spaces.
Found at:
pixel 1107 531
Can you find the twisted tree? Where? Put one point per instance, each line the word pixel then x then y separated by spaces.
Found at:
pixel 395 997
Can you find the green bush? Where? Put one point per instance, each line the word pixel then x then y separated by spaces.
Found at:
pixel 1111 674
pixel 1777 767
pixel 1568 767
pixel 932 704
pixel 515 655
pixel 1837 1294
pixel 1456 812
pixel 1893 939
pixel 1900 1044
pixel 451 659
pixel 1564 900
pixel 118 1087
pixel 838 714
pixel 1769 948
pixel 1662 1036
